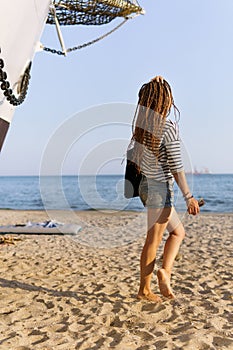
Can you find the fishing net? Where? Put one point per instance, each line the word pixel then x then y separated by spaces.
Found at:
pixel 92 12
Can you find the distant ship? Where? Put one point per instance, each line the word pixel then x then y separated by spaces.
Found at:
pixel 204 170
pixel 195 171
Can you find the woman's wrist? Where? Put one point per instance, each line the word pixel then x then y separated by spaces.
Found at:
pixel 187 196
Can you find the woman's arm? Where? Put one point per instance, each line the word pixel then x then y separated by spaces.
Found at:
pixel 173 149
pixel 191 202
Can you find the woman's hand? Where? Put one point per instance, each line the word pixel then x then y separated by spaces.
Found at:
pixel 193 206
pixel 158 78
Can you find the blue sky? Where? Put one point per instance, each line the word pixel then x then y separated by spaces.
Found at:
pixel 188 42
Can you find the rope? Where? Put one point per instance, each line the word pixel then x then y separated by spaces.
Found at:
pixel 92 12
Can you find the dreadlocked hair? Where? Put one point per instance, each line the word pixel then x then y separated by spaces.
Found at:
pixel 154 105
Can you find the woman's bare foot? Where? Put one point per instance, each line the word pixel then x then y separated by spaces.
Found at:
pixel 164 283
pixel 150 297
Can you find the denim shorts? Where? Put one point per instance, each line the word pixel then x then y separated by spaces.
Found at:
pixel 156 194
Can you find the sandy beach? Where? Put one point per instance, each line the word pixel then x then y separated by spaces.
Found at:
pixel 79 291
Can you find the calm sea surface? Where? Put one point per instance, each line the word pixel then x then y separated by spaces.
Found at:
pixel 104 192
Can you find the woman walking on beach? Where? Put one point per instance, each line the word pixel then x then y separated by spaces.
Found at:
pixel 157 155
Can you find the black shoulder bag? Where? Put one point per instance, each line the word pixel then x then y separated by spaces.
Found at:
pixel 132 176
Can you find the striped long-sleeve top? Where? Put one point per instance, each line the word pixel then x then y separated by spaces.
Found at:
pixel 169 158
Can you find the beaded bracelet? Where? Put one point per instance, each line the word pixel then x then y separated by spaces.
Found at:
pixel 187 198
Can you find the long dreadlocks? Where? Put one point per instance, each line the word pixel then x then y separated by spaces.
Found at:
pixel 154 105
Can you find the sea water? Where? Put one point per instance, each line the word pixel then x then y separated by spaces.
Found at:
pixel 104 192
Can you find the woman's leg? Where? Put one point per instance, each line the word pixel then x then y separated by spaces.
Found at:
pixel 171 249
pixel 157 220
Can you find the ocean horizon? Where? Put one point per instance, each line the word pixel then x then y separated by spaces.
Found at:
pixel 104 192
